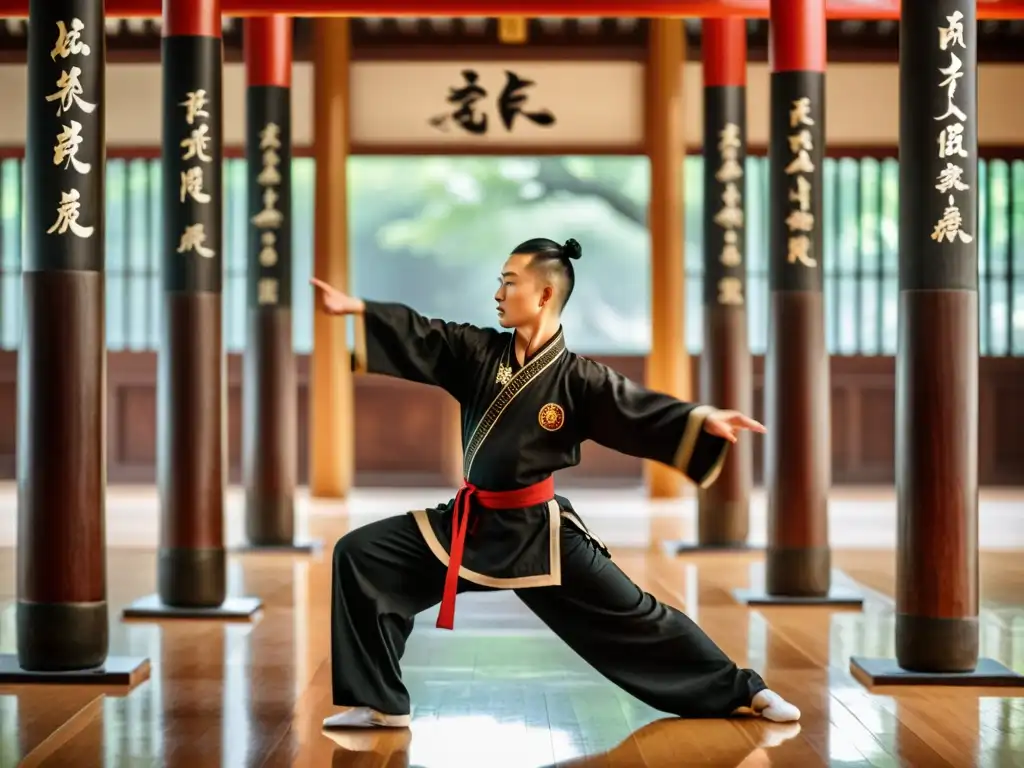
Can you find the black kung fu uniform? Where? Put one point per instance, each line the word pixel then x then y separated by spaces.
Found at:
pixel 519 425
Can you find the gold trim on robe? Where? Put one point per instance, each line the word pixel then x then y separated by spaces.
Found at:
pixel 694 428
pixel 359 353
pixel 520 381
pixel 552 578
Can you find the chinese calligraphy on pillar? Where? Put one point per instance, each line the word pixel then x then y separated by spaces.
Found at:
pixel 472 114
pixel 951 136
pixel 730 216
pixel 268 181
pixel 269 218
pixel 192 163
pixel 72 102
pixel 194 152
pixel 800 221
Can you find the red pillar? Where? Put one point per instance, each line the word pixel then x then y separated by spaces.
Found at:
pixel 725 366
pixel 270 422
pixel 192 561
pixel 796 382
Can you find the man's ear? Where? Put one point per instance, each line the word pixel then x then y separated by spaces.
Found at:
pixel 548 294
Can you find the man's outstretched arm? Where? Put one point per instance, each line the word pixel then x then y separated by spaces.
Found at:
pixel 626 417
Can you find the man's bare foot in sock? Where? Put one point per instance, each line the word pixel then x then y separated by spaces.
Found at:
pixel 364 717
pixel 769 705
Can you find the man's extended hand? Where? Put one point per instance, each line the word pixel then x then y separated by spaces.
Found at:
pixel 727 424
pixel 335 302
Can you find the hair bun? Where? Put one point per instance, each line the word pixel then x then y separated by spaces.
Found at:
pixel 572 249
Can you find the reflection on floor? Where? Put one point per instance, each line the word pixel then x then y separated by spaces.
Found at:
pixel 502 691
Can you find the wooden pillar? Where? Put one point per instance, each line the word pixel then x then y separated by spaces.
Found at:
pixel 62 613
pixel 331 409
pixel 62 601
pixel 269 425
pixel 937 351
pixel 668 365
pixel 190 385
pixel 797 407
pixel 723 510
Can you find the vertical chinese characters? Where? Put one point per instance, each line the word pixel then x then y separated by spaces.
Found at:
pixel 194 146
pixel 730 215
pixel 472 116
pixel 70 97
pixel 800 222
pixel 951 136
pixel 269 218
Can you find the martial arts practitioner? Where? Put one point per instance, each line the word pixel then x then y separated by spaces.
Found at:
pixel 527 404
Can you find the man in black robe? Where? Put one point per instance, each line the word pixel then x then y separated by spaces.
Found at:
pixel 527 404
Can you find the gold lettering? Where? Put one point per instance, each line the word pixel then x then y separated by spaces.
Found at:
pixel 192 185
pixel 69 91
pixel 67 145
pixel 954 33
pixel 270 137
pixel 949 225
pixel 67 216
pixel 800 164
pixel 799 250
pixel 192 239
pixel 953 74
pixel 802 195
pixel 730 291
pixel 268 253
pixel 195 144
pixel 269 176
pixel 269 216
pixel 731 215
pixel 266 290
pixel 801 141
pixel 800 220
pixel 193 104
pixel 800 112
pixel 949 178
pixel 69 41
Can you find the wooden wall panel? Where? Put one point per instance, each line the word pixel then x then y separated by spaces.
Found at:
pixel 401 427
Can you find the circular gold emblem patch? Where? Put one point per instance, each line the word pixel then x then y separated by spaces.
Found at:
pixel 551 417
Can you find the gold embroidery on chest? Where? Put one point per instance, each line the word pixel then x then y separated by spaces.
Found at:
pixel 551 417
pixel 504 374
pixel 519 381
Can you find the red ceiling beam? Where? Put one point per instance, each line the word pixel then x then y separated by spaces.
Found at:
pixel 866 10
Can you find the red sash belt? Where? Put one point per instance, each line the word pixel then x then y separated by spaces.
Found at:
pixel 539 493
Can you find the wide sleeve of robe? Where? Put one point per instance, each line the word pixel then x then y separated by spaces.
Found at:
pixel 626 417
pixel 394 340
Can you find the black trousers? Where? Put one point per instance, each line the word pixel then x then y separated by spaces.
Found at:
pixel 384 575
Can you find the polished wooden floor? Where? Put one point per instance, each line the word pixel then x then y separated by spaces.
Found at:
pixel 501 691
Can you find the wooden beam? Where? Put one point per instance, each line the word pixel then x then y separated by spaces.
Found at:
pixel 865 10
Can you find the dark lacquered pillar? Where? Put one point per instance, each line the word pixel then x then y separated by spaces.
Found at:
pixel 725 366
pixel 62 603
pixel 270 437
pixel 190 396
pixel 796 383
pixel 937 352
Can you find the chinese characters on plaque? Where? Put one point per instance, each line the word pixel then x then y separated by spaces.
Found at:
pixel 194 149
pixel 800 222
pixel 70 100
pixel 730 215
pixel 269 218
pixel 951 136
pixel 471 113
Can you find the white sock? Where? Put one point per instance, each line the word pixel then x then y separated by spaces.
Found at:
pixel 364 717
pixel 769 705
